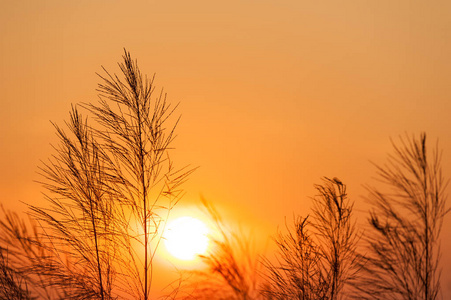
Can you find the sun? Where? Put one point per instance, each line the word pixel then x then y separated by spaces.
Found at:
pixel 186 237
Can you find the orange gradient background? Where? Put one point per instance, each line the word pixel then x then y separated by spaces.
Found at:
pixel 273 94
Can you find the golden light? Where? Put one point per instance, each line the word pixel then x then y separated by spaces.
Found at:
pixel 186 237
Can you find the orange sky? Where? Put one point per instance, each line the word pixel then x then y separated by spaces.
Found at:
pixel 274 94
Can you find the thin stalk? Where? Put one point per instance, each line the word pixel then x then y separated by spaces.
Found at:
pixel 426 218
pixel 144 192
pixel 99 269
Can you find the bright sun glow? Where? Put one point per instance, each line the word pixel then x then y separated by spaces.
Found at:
pixel 186 237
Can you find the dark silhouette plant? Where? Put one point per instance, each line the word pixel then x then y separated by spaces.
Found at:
pixel 402 259
pixel 317 257
pixel 110 187
pixel 336 235
pixel 296 274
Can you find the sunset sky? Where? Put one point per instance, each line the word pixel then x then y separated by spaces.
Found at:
pixel 273 94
